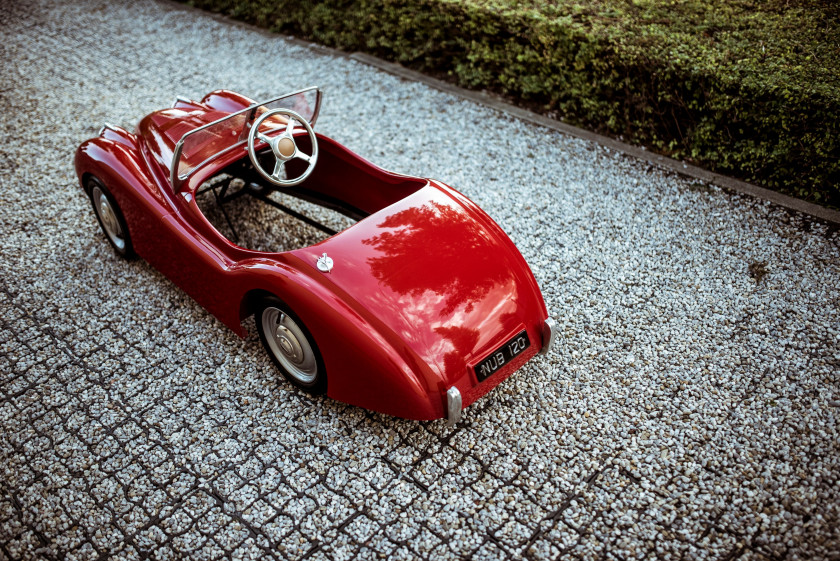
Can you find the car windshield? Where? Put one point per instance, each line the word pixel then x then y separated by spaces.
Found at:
pixel 205 143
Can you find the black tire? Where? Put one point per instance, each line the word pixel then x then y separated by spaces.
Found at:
pixel 110 217
pixel 291 346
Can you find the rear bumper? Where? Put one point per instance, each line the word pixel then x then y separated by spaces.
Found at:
pixel 453 406
pixel 549 333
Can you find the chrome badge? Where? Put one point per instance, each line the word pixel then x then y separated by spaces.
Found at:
pixel 325 264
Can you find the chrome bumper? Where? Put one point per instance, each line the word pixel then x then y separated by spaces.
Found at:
pixel 549 332
pixel 453 406
pixel 453 396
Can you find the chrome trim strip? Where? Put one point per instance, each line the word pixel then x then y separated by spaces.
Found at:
pixel 175 179
pixel 453 406
pixel 107 126
pixel 549 333
pixel 181 99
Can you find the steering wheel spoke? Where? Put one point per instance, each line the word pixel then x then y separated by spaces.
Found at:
pixel 264 138
pixel 278 169
pixel 305 157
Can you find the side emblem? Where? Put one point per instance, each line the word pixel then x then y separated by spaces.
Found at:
pixel 325 264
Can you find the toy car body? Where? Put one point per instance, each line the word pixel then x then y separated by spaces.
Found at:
pixel 417 310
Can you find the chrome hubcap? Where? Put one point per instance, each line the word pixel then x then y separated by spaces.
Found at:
pixel 109 220
pixel 289 345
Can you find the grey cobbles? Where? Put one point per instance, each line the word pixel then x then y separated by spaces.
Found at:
pixel 689 409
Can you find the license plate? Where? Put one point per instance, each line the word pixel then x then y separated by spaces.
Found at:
pixel 502 356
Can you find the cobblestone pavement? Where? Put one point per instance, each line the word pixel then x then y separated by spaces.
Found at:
pixel 689 411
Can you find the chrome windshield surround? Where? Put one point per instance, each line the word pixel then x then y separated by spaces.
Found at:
pixel 175 179
pixel 453 406
pixel 549 333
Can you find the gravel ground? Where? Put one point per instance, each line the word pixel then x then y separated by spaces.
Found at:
pixel 689 410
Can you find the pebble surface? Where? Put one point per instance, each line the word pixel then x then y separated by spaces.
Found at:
pixel 689 409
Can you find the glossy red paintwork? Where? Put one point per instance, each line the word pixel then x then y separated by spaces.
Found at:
pixel 441 277
pixel 421 290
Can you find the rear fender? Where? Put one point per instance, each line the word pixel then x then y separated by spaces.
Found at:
pixel 523 272
pixel 367 364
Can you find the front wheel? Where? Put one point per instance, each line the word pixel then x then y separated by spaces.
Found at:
pixel 110 218
pixel 291 346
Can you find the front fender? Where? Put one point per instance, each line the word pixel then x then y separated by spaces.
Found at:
pixel 121 167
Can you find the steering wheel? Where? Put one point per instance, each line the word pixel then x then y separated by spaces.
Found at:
pixel 283 147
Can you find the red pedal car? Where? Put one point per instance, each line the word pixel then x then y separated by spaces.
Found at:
pixel 418 308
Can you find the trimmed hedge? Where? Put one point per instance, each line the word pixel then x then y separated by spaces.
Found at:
pixel 750 88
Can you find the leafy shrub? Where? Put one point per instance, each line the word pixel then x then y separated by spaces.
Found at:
pixel 750 88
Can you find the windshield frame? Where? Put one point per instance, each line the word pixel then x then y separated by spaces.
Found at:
pixel 176 180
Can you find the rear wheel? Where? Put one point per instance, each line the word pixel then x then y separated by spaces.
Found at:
pixel 110 217
pixel 291 346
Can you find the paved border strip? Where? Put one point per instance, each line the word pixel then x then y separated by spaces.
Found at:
pixel 791 203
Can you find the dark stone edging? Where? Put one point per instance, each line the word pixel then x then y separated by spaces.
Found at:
pixel 826 214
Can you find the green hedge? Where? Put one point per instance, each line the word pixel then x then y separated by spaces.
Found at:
pixel 750 88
